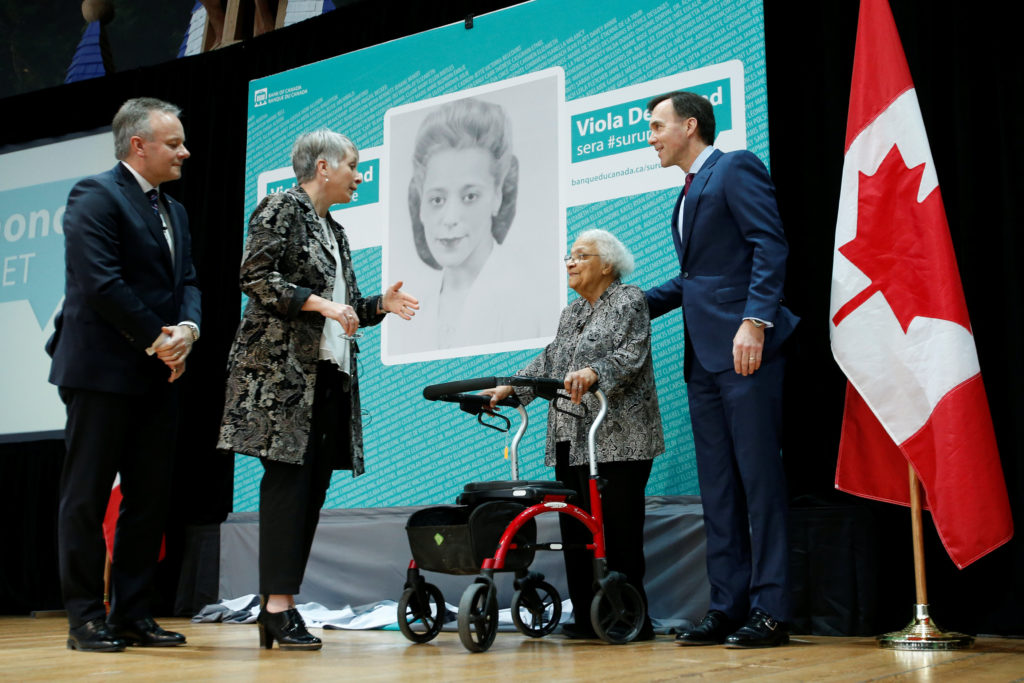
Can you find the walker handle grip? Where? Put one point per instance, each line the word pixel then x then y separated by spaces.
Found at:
pixel 434 392
pixel 474 403
pixel 544 386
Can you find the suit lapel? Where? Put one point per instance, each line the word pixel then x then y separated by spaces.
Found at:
pixel 697 186
pixel 676 240
pixel 174 209
pixel 140 203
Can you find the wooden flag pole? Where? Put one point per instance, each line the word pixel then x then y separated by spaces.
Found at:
pixel 918 538
pixel 921 633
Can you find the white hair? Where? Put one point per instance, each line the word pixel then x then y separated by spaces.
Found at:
pixel 610 249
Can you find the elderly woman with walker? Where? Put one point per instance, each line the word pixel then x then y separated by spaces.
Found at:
pixel 603 336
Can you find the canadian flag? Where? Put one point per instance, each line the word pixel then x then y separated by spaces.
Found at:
pixel 899 325
pixel 110 520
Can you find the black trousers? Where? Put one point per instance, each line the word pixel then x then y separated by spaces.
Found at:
pixel 622 501
pixel 291 495
pixel 107 434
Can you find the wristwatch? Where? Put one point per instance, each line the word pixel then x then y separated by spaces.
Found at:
pixel 756 323
pixel 193 328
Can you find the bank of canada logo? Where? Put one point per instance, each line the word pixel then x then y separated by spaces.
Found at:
pixel 260 97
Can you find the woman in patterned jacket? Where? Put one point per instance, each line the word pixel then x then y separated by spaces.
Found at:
pixel 603 335
pixel 293 389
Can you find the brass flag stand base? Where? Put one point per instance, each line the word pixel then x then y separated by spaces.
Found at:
pixel 923 634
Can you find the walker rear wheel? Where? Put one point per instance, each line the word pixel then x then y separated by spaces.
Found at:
pixel 617 613
pixel 420 621
pixel 536 609
pixel 478 617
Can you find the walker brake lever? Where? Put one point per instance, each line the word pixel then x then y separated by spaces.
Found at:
pixel 497 416
pixel 562 396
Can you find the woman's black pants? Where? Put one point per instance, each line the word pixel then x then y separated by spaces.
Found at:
pixel 622 500
pixel 291 495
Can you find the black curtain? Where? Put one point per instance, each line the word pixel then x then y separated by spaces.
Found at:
pixel 960 62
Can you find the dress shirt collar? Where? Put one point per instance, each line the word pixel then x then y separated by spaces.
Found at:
pixel 143 183
pixel 701 158
pixel 604 295
pixel 612 286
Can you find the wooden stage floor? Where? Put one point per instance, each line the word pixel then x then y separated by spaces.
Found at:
pixel 33 649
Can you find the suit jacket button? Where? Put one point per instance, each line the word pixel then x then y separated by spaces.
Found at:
pixel 686 275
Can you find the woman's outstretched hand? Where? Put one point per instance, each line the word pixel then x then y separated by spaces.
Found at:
pixel 394 300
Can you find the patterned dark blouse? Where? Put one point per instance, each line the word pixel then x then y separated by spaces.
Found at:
pixel 613 337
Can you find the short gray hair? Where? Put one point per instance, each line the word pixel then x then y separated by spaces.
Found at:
pixel 320 144
pixel 133 119
pixel 610 249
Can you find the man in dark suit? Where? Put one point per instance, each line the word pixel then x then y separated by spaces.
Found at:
pixel 732 256
pixel 130 317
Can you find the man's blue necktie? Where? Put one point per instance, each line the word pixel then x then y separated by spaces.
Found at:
pixel 154 201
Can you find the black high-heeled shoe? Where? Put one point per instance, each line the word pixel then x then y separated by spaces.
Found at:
pixel 287 628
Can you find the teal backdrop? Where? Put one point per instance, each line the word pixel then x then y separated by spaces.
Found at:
pixel 420 453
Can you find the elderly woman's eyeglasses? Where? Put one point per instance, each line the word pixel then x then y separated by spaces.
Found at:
pixel 576 258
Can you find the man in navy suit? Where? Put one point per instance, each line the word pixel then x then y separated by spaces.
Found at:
pixel 732 256
pixel 130 317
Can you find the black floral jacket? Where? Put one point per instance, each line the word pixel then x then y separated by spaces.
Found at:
pixel 272 364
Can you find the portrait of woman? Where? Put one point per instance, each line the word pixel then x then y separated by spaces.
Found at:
pixel 465 213
pixel 462 200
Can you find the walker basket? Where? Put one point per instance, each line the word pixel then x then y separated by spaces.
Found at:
pixel 456 539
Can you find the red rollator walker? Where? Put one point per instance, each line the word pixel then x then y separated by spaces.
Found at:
pixel 499 516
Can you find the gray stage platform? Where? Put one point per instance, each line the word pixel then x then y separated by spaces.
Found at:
pixel 360 557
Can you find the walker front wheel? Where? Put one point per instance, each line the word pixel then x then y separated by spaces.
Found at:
pixel 478 617
pixel 617 613
pixel 421 614
pixel 536 609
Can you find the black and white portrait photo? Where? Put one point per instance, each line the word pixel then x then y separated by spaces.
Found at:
pixel 475 224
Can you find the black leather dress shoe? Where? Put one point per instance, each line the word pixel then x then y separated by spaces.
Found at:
pixel 712 630
pixel 147 633
pixel 94 636
pixel 762 630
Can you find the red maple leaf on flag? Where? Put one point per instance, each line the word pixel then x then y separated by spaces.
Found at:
pixel 903 246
